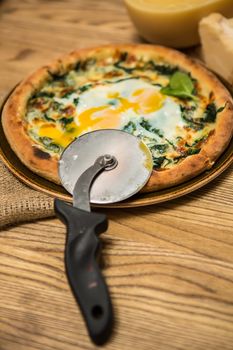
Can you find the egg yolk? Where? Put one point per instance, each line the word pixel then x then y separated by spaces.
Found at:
pixel 142 101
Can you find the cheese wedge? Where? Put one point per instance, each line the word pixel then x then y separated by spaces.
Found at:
pixel 216 34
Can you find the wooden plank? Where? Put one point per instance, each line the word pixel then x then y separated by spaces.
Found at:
pixel 169 266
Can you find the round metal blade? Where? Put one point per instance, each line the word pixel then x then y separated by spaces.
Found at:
pixel 127 178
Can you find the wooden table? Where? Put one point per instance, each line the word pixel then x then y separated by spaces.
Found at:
pixel 168 266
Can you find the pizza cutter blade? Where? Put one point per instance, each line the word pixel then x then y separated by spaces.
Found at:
pixel 101 167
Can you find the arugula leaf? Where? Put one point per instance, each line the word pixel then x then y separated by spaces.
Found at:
pixel 180 85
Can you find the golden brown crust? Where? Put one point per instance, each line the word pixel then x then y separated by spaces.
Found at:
pixel 47 166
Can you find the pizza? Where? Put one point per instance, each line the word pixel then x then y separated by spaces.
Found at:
pixel 176 106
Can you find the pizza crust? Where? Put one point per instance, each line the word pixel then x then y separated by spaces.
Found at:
pixel 46 165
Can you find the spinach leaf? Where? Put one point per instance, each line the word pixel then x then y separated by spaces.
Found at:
pixel 146 125
pixel 76 101
pixel 171 143
pixel 50 145
pixel 119 80
pixel 56 106
pixel 210 113
pixel 163 69
pixel 161 148
pixel 192 151
pixel 158 161
pixel 186 114
pixel 123 58
pixel 85 87
pixel 65 121
pixel 180 85
pixel 126 69
pixel 220 109
pixel 58 77
pixel 130 127
pixel 68 93
pixel 157 132
pixel 46 117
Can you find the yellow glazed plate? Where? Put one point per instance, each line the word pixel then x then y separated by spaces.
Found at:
pixel 33 180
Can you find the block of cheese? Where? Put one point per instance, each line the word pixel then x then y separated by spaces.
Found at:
pixel 216 34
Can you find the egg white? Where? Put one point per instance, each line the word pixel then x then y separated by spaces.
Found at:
pixel 167 118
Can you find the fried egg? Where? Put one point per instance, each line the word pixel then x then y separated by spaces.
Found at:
pixel 113 106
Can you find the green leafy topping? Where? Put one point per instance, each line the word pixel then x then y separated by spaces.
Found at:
pixel 58 77
pixel 163 69
pixel 65 121
pixel 171 143
pixel 56 106
pixel 146 125
pixel 158 161
pixel 126 69
pixel 180 85
pixel 85 87
pixel 187 113
pixel 210 113
pixel 76 101
pixel 220 109
pixel 68 93
pixel 197 141
pixel 112 102
pixel 46 117
pixel 77 65
pixel 50 145
pixel 192 151
pixel 70 130
pixel 119 80
pixel 130 127
pixel 123 58
pixel 161 148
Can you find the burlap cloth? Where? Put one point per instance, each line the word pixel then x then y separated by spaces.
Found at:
pixel 19 203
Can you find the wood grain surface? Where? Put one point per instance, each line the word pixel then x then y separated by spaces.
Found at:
pixel 169 267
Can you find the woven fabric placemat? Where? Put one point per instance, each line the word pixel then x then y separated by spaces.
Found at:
pixel 19 203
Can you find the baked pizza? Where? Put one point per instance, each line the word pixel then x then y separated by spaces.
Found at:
pixel 176 106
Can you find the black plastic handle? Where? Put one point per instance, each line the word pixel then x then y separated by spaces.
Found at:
pixel 85 278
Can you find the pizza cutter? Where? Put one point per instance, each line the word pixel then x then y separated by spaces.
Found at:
pixel 99 167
